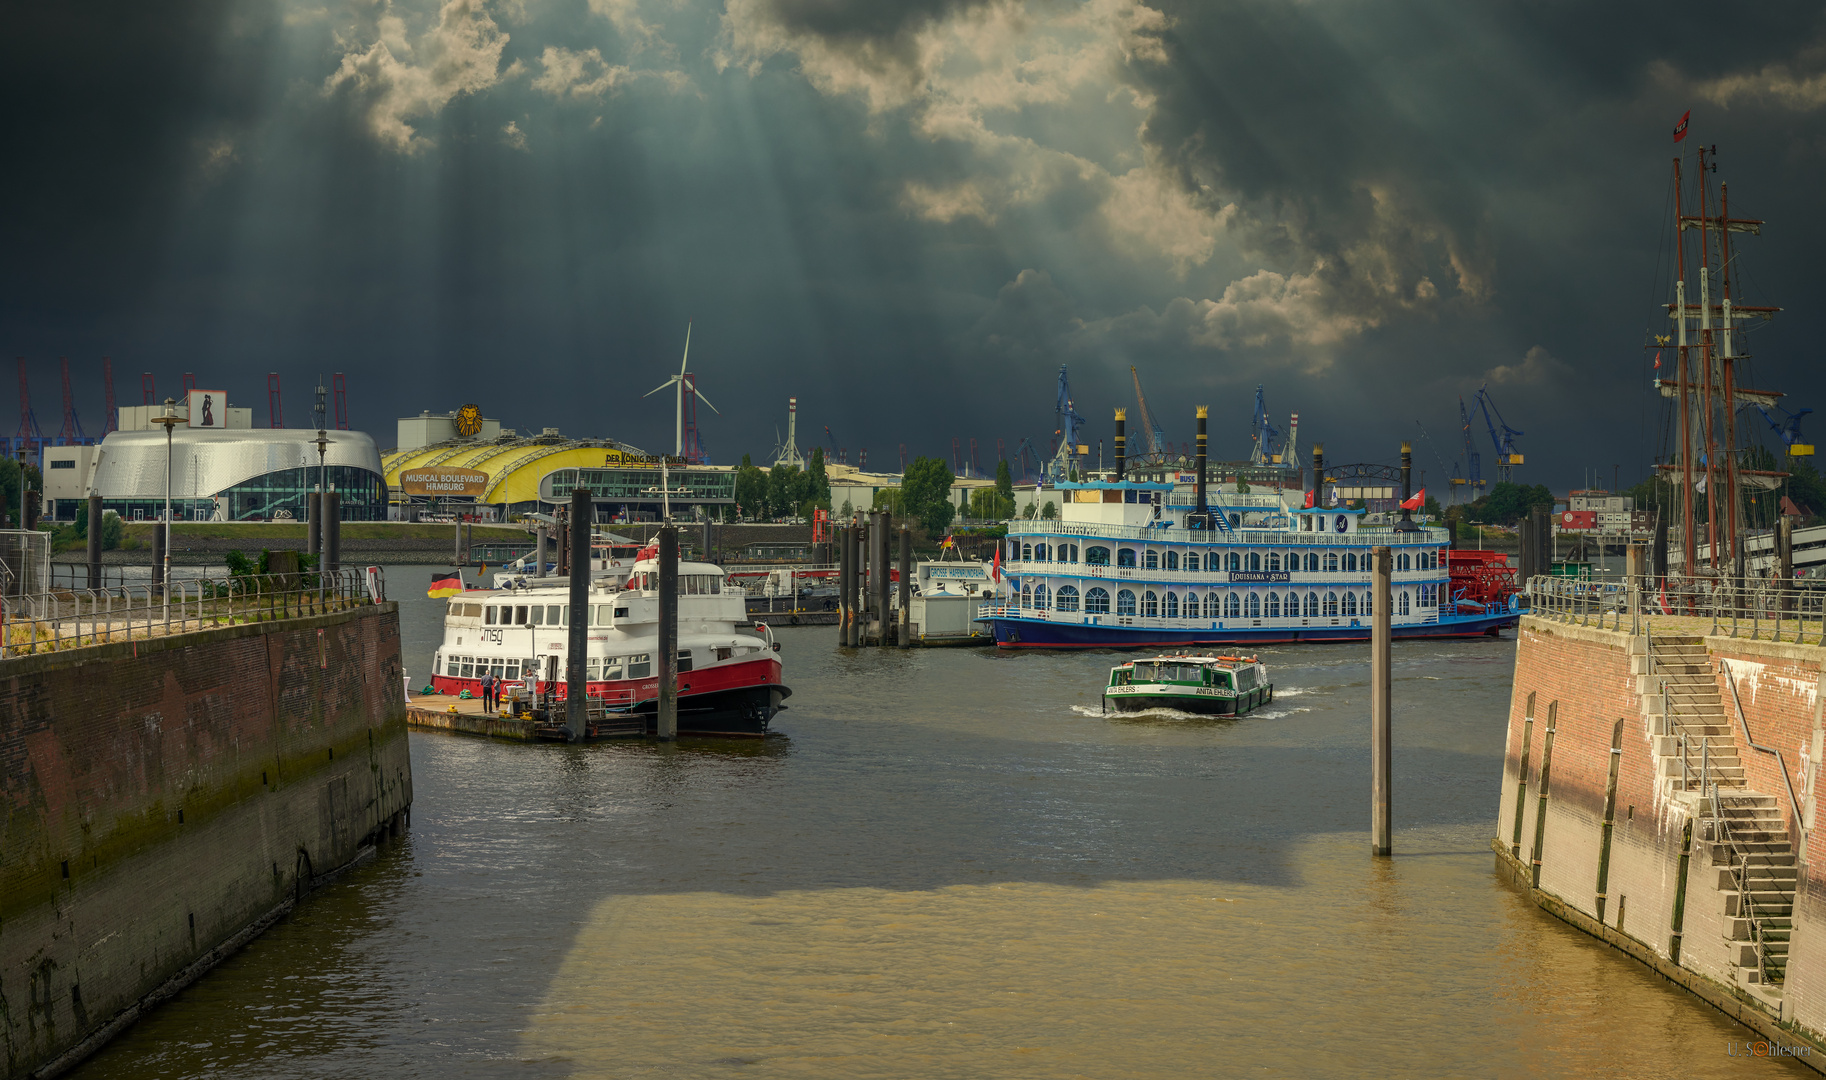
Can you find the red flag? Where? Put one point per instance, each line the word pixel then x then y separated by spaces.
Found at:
pixel 1657 359
pixel 995 570
pixel 1308 505
pixel 1415 503
pixel 1680 129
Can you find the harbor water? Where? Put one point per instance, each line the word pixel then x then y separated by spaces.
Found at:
pixel 948 863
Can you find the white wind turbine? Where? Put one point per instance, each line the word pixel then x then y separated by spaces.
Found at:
pixel 685 386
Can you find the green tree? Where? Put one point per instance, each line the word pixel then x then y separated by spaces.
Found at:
pixel 820 483
pixel 9 487
pixel 1509 503
pixel 1029 511
pixel 113 530
pixel 751 490
pixel 1432 510
pixel 1004 482
pixel 988 504
pixel 786 490
pixel 1049 511
pixel 889 499
pixel 926 493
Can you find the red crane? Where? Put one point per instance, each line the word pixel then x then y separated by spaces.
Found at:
pixel 342 401
pixel 28 434
pixel 976 468
pixel 957 463
pixel 903 457
pixel 145 389
pixel 273 409
pixel 862 458
pixel 111 422
pixel 72 427
pixel 190 383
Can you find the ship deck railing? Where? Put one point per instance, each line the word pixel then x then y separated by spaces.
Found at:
pixel 1001 610
pixel 1426 536
pixel 76 618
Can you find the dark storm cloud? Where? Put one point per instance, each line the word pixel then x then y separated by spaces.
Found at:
pixel 908 215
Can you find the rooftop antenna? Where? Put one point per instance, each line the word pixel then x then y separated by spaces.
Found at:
pixel 342 401
pixel 320 412
pixel 145 388
pixel 275 414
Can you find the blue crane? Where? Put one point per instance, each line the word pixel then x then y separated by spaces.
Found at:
pixel 1790 431
pixel 1065 451
pixel 1507 456
pixel 1474 473
pixel 1263 433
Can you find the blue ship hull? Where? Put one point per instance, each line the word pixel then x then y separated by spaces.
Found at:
pixel 1016 633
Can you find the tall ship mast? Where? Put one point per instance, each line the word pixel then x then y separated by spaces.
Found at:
pixel 1706 458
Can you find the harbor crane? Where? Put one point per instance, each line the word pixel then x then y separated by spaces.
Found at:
pixel 1474 474
pixel 1263 434
pixel 1155 450
pixel 1790 431
pixel 1507 456
pixel 1443 471
pixel 1027 460
pixel 1066 447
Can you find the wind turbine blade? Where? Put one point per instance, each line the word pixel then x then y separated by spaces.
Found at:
pixel 658 388
pixel 706 401
pixel 687 357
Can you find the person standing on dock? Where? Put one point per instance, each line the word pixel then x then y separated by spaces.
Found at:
pixel 488 692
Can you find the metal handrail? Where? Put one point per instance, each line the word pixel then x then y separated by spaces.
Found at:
pixel 1738 868
pixel 1797 824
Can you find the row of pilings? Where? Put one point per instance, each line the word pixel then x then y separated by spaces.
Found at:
pixel 870 609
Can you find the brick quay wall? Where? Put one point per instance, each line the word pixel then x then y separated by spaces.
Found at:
pixel 1600 825
pixel 167 799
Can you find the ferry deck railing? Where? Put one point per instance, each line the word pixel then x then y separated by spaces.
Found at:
pixel 74 618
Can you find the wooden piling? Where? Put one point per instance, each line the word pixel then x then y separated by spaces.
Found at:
pixel 94 537
pixel 576 712
pixel 1381 588
pixel 668 633
pixel 332 530
pixel 880 535
pixel 905 636
pixel 160 533
pixel 313 525
pixel 539 551
pixel 855 636
pixel 843 585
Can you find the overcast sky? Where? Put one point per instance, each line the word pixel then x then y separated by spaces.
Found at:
pixel 909 215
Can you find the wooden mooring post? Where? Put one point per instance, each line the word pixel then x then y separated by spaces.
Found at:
pixel 94 541
pixel 1381 588
pixel 668 633
pixel 576 690
pixel 905 635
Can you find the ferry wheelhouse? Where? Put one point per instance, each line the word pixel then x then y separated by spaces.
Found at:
pixel 729 679
pixel 1142 564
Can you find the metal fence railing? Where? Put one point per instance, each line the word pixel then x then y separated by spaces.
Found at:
pixel 59 619
pixel 1750 606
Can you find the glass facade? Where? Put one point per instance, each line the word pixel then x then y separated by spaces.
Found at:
pixel 364 498
pixel 641 485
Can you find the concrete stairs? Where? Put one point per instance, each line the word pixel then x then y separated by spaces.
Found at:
pixel 1746 832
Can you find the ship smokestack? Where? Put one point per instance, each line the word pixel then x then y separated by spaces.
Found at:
pixel 1203 507
pixel 1122 416
pixel 1318 474
pixel 1406 524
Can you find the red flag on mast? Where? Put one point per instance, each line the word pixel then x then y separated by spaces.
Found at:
pixel 1308 505
pixel 1419 500
pixel 1680 129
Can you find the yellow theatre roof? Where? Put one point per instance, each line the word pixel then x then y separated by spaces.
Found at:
pixel 514 467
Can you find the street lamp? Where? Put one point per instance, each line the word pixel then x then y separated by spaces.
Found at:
pixel 169 418
pixel 323 445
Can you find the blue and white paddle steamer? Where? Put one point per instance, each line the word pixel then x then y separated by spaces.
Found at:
pixel 1146 564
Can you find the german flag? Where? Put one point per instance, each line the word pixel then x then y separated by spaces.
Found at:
pixel 445 584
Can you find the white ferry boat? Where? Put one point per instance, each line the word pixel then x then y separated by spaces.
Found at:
pixel 729 677
pixel 1213 685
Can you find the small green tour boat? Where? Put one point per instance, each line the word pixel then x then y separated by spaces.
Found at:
pixel 1217 685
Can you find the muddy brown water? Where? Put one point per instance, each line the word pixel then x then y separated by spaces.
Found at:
pixel 947 864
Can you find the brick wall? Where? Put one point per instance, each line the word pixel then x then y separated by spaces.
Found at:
pixel 161 797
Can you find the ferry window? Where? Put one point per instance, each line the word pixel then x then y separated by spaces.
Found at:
pixel 1212 604
pixel 1125 602
pixel 592 669
pixel 1245 678
pixel 1232 607
pixel 1312 562
pixel 1096 601
pixel 621 613
pixel 1331 562
pixel 1073 557
pixel 1152 560
pixel 1171 610
pixel 1172 560
pixel 499 669
pixel 1236 521
pixel 1068 598
pixel 488 615
pixel 468 668
pixel 1233 561
pixel 1255 560
pixel 1253 606
pixel 1312 605
pixel 453 666
pixel 1350 562
pixel 551 615
pixel 1026 597
pixel 1274 561
pixel 1402 608
pixel 564 614
pixel 1369 602
pixel 1125 557
pixel 1040 598
pixel 1274 605
pixel 513 671
pixel 1150 604
pixel 1096 556
pixel 1331 604
pixel 1350 603
pixel 611 667
pixel 520 616
pixel 1401 561
pixel 640 666
pixel 724 654
pixel 1293 561
pixel 1191 605
pixel 684 660
pixel 538 614
pixel 1026 552
pixel 1039 553
pixel 1191 560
